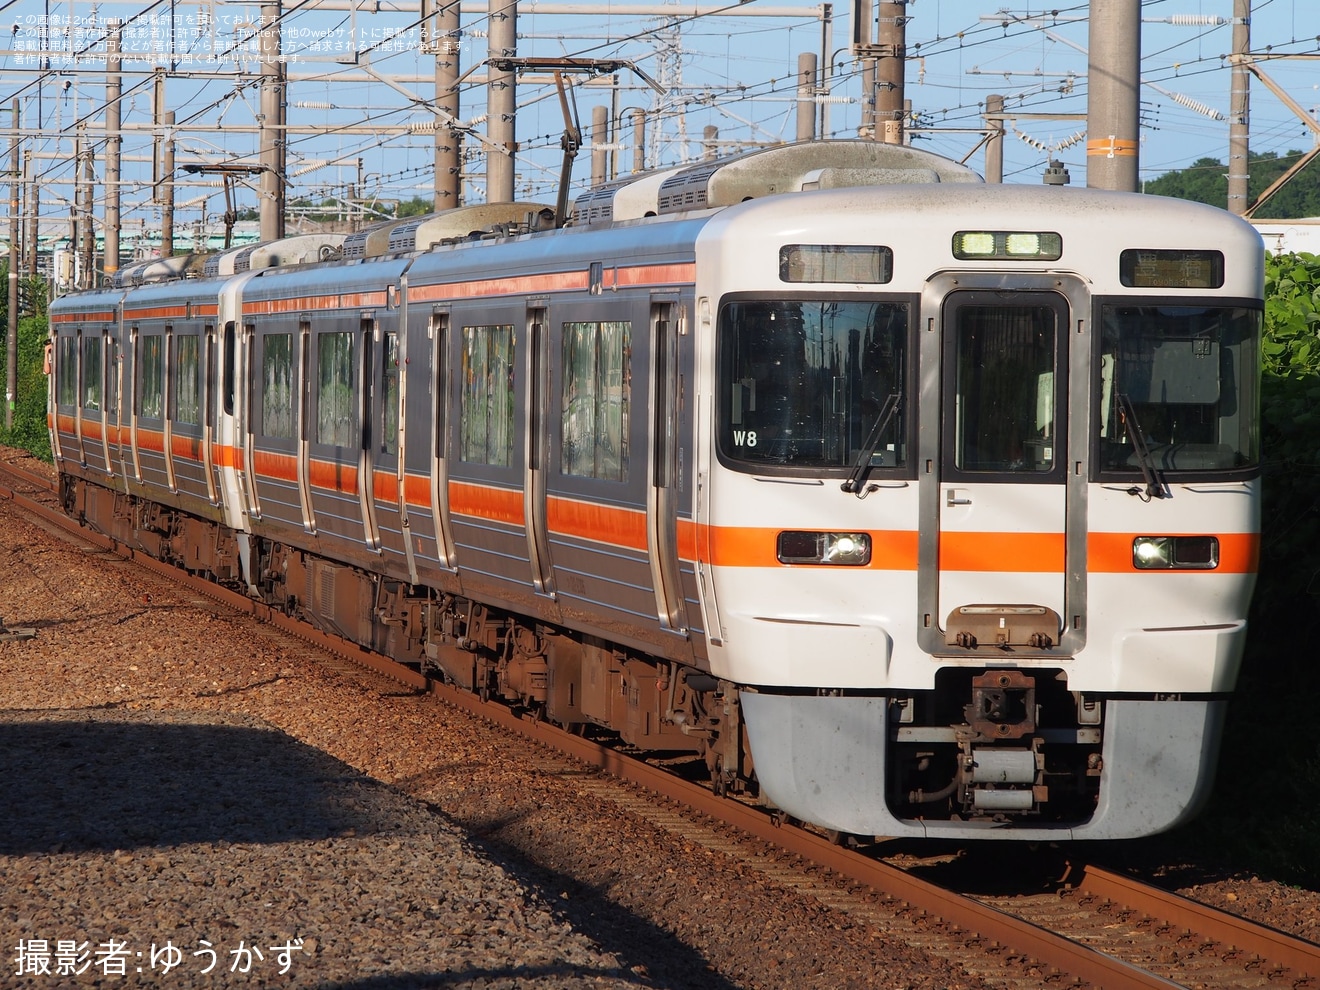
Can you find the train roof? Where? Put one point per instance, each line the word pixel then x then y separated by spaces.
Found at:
pixel 766 172
pixel 664 193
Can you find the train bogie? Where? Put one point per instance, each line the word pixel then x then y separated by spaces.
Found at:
pixel 918 506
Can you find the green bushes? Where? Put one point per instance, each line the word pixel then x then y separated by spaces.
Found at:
pixel 1265 816
pixel 29 429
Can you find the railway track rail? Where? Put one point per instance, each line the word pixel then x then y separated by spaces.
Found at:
pixel 1101 928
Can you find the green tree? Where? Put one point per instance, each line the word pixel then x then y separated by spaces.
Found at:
pixel 1206 181
pixel 29 430
pixel 418 206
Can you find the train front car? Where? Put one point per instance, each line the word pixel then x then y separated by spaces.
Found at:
pixel 980 521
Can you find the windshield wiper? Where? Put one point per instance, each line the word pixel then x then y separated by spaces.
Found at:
pixel 1155 486
pixel 887 413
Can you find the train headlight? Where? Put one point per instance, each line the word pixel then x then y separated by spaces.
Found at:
pixel 849 549
pixel 1163 553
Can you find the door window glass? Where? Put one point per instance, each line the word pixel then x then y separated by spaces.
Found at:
pixel 1004 403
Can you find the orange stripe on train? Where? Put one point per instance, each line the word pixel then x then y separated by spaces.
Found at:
pixel 269 464
pixel 334 476
pixel 1010 552
pixel 756 546
pixel 496 504
pixel 610 524
pixel 1111 553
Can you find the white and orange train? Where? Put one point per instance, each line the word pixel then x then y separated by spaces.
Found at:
pixel 917 506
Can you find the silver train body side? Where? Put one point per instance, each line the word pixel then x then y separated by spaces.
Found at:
pixel 917 506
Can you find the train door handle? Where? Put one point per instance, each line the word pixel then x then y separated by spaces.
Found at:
pixel 956 496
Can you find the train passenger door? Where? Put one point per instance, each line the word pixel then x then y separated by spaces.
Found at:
pixel 441 402
pixel 1003 494
pixel 538 442
pixel 368 391
pixel 662 491
pixel 386 486
pixel 94 384
pixel 208 385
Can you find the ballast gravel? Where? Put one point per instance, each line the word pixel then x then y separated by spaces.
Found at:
pixel 193 800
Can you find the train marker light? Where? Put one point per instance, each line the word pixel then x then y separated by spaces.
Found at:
pixel 1007 245
pixel 1163 553
pixel 850 549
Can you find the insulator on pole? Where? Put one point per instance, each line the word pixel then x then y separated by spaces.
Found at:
pixel 1196 105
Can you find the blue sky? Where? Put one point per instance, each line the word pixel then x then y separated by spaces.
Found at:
pixel 736 75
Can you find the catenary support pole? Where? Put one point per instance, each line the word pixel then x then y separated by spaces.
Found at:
pixel 1239 112
pixel 113 145
pixel 1113 99
pixel 501 103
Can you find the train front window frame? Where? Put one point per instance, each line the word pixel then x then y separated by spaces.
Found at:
pixel 1187 369
pixel 803 380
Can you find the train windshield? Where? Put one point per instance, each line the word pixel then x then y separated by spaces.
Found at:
pixel 1184 376
pixel 806 381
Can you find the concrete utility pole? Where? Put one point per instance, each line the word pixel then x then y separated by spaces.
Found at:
pixel 994 145
pixel 600 138
pixel 890 65
pixel 710 142
pixel 445 36
pixel 113 144
pixel 806 97
pixel 1113 99
pixel 502 103
pixel 883 65
pixel 167 189
pixel 639 140
pixel 33 211
pixel 273 103
pixel 85 224
pixel 11 336
pixel 1239 113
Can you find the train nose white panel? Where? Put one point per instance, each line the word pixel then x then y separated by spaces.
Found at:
pixel 1172 660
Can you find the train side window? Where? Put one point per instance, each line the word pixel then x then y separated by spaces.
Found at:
pixel 66 371
pixel 596 399
pixel 112 375
pixel 91 373
pixel 389 413
pixel 277 385
pixel 439 379
pixel 230 346
pixel 486 410
pixel 151 369
pixel 336 419
pixel 187 370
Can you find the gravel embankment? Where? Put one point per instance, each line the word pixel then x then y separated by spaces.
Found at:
pixel 178 776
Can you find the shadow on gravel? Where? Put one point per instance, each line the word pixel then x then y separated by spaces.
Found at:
pixel 509 976
pixel 656 957
pixel 111 781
